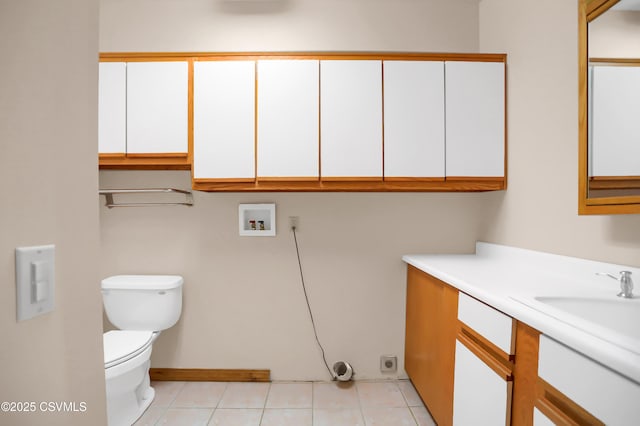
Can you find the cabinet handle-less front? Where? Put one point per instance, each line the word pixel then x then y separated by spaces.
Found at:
pixel 500 362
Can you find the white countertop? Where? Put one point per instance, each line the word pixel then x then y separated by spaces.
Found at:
pixel 497 274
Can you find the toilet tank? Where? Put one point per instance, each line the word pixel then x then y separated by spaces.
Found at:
pixel 143 302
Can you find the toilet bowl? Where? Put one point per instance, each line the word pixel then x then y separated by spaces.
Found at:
pixel 126 361
pixel 140 306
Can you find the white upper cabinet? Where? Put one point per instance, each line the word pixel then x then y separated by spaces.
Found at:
pixel 351 118
pixel 475 114
pixel 112 108
pixel 414 122
pixel 157 107
pixel 224 120
pixel 288 119
pixel 615 118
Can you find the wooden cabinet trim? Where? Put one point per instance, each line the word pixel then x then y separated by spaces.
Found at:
pixel 468 185
pixel 560 409
pixel 614 182
pixel 525 374
pixel 168 161
pixel 254 56
pixel 496 359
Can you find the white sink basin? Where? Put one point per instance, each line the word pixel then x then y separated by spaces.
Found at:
pixel 614 319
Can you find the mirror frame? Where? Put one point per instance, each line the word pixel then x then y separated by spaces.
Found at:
pixel 588 10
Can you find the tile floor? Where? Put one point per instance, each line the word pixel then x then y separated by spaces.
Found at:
pixel 360 403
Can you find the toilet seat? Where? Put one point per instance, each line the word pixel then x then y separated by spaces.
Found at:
pixel 123 345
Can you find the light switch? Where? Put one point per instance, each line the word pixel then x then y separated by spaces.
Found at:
pixel 37 270
pixel 39 281
pixel 35 279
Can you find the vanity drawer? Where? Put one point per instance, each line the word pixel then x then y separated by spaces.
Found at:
pixel 605 394
pixel 490 323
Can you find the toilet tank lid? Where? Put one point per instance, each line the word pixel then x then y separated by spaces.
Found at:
pixel 142 282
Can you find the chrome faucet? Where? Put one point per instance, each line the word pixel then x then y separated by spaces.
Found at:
pixel 626 283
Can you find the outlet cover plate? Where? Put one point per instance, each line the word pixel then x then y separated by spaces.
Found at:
pixel 388 364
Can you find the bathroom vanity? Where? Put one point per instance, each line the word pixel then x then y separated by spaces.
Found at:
pixel 513 336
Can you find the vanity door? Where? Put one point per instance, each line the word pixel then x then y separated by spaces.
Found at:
pixel 483 379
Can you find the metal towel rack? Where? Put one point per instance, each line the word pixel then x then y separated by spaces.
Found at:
pixel 110 203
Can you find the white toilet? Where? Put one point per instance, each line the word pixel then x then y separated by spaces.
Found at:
pixel 140 306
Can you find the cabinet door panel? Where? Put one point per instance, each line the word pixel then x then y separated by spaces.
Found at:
pixel 481 397
pixel 492 324
pixel 430 341
pixel 603 393
pixel 615 108
pixel 224 120
pixel 288 119
pixel 157 107
pixel 475 113
pixel 112 108
pixel 351 118
pixel 413 119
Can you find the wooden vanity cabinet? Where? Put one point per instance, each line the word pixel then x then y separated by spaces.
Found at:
pixel 455 353
pixel 432 307
pixel 459 353
pixel 472 364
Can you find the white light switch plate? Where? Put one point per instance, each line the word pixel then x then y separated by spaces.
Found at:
pixel 35 280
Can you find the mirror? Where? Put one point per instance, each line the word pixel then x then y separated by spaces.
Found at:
pixel 609 106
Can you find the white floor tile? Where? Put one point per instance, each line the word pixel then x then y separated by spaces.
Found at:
pixel 388 416
pixel 335 395
pixel 244 395
pixel 165 392
pixel 337 417
pixel 380 394
pixel 422 416
pixel 290 395
pixel 410 394
pixel 287 417
pixel 151 416
pixel 185 417
pixel 366 403
pixel 236 417
pixel 200 394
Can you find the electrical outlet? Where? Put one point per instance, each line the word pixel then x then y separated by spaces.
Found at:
pixel 388 364
pixel 294 222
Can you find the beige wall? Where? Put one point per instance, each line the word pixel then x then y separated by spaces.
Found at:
pixel 243 306
pixel 288 25
pixel 538 211
pixel 48 182
pixel 615 34
pixel 243 302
